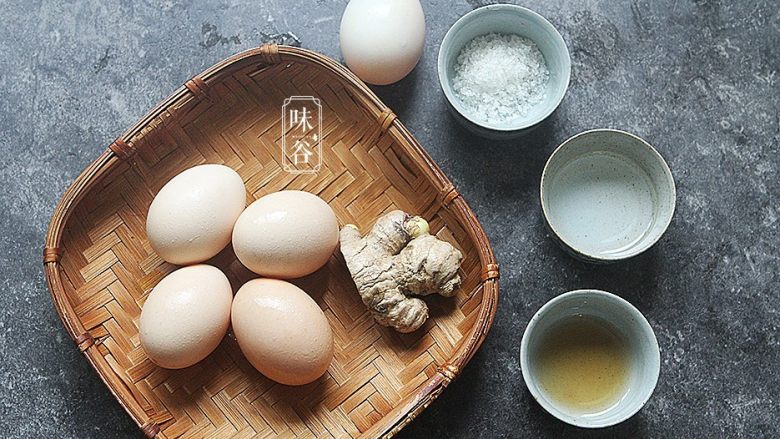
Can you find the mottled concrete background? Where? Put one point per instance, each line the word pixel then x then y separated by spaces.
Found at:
pixel 698 79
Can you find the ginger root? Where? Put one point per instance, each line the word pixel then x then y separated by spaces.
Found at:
pixel 399 257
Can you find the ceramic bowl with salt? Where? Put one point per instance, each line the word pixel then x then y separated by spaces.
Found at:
pixel 607 195
pixel 510 20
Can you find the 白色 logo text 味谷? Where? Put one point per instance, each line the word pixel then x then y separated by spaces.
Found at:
pixel 302 134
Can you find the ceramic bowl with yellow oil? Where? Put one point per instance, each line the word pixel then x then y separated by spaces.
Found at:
pixel 590 358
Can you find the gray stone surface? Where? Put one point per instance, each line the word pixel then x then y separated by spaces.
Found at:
pixel 698 79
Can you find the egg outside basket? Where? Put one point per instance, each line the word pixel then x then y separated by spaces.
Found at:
pixel 100 266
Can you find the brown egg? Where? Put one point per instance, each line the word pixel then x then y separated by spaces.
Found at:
pixel 186 316
pixel 282 331
pixel 191 218
pixel 286 234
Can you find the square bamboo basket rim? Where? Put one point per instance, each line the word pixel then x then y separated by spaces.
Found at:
pixel 121 152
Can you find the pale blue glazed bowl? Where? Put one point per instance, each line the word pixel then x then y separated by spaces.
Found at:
pixel 607 195
pixel 632 327
pixel 506 19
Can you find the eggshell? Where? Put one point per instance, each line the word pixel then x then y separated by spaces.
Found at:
pixel 282 331
pixel 382 40
pixel 186 316
pixel 286 234
pixel 191 218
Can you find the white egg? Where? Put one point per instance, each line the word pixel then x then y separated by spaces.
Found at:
pixel 191 218
pixel 282 331
pixel 186 316
pixel 286 234
pixel 382 40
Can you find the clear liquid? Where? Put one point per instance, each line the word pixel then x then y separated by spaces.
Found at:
pixel 604 204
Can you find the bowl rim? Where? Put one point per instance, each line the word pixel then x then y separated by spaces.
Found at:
pixel 538 20
pixel 592 256
pixel 524 356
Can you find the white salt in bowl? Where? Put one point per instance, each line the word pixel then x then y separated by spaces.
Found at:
pixel 506 19
pixel 606 195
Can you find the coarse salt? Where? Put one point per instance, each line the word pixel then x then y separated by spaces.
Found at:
pixel 499 77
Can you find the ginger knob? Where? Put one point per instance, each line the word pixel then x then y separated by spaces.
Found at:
pixel 397 259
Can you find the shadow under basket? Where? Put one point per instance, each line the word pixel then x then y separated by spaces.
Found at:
pixel 100 267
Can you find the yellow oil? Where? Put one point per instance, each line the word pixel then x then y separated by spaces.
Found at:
pixel 583 365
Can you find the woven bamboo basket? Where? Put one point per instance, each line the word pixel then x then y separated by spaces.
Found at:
pixel 100 266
